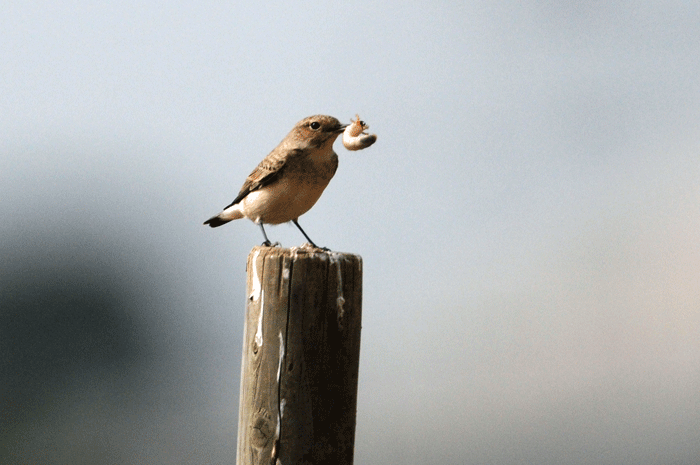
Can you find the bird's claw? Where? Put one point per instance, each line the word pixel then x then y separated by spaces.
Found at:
pixel 311 245
pixel 270 244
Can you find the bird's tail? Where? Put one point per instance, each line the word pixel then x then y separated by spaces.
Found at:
pixel 215 221
pixel 231 213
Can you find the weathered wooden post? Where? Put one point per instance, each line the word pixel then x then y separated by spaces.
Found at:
pixel 301 353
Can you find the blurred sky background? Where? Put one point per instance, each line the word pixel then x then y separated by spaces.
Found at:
pixel 528 219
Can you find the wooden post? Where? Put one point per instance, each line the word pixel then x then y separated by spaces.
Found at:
pixel 301 353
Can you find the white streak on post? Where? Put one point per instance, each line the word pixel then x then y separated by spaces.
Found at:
pixel 256 278
pixel 280 403
pixel 279 365
pixel 340 300
pixel 259 332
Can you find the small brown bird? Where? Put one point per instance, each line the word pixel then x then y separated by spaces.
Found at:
pixel 289 181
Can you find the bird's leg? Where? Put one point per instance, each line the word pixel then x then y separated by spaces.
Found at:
pixel 307 237
pixel 267 242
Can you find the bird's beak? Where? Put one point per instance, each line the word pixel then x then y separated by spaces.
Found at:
pixel 341 128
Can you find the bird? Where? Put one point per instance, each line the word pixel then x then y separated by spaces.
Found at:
pixel 288 181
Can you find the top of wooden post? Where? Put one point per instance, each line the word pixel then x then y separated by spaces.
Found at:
pixel 305 252
pixel 305 249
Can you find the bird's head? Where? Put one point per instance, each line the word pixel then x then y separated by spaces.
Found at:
pixel 317 130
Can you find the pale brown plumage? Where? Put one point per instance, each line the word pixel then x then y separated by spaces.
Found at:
pixel 289 181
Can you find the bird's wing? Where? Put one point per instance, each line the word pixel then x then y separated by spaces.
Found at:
pixel 265 173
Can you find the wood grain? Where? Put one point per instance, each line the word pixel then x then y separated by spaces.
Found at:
pixel 300 357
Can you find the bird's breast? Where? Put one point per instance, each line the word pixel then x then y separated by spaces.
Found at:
pixel 293 193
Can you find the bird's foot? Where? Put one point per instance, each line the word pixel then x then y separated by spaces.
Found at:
pixel 270 244
pixel 311 245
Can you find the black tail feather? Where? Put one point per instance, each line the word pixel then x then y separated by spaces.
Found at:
pixel 215 221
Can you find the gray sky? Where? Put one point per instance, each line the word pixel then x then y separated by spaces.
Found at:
pixel 528 220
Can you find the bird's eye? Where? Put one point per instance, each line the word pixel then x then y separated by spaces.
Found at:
pixel 315 125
